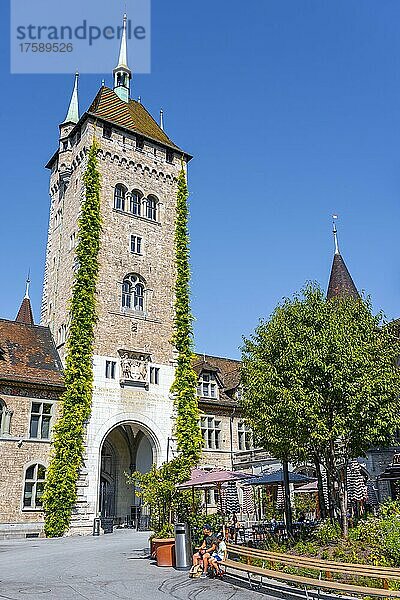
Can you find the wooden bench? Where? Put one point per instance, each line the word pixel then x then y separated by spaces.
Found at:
pixel 328 567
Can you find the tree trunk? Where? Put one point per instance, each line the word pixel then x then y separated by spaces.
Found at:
pixel 288 505
pixel 321 498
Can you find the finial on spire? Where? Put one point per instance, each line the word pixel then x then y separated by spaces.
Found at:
pixel 122 73
pixel 28 281
pixel 334 217
pixel 103 83
pixel 162 119
pixel 73 109
pixel 139 99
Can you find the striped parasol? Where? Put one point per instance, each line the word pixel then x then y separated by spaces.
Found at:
pixel 232 498
pixel 248 500
pixel 280 498
pixel 356 489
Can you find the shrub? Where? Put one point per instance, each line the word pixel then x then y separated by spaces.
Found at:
pixel 328 533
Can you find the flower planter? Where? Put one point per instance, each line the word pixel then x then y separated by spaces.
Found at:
pixel 163 550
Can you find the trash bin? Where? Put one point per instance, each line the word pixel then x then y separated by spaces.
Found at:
pixel 107 524
pixel 164 551
pixel 182 547
pixel 96 526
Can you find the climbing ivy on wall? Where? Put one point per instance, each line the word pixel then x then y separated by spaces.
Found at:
pixel 69 433
pixel 187 429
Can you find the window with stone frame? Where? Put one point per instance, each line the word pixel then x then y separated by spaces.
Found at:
pixel 107 131
pixel 155 375
pixel 111 366
pixel 33 486
pixel 245 436
pixel 133 287
pixel 169 156
pixel 136 244
pixel 211 432
pixel 207 386
pixel 40 420
pixel 5 419
pixel 151 208
pixel 119 197
pixel 211 497
pixel 135 202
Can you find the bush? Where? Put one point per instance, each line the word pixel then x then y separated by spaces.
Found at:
pixel 328 533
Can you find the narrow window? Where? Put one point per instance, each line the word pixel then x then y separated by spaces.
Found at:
pixel 40 420
pixel 154 375
pixel 151 208
pixel 110 369
pixel 33 486
pixel 139 142
pixel 135 202
pixel 107 131
pixel 170 156
pixel 126 294
pixel 136 244
pixel 245 436
pixel 119 197
pixel 139 297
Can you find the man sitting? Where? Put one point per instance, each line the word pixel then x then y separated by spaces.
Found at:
pixel 208 546
pixel 219 555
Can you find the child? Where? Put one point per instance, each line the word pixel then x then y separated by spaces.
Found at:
pixel 219 555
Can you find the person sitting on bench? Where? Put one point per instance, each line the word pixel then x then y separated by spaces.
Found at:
pixel 207 547
pixel 219 555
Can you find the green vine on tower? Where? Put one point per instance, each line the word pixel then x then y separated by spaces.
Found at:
pixel 60 492
pixel 187 429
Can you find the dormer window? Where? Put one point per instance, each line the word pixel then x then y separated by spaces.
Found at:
pixel 207 386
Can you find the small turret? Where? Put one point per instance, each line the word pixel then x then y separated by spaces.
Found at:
pixel 25 314
pixel 340 281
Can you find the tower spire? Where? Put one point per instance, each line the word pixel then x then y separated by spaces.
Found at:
pixel 340 281
pixel 25 314
pixel 73 109
pixel 122 73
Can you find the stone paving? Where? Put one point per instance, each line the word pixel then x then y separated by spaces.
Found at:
pixel 102 568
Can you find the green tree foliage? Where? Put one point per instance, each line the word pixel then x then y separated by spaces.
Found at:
pixel 68 446
pixel 187 429
pixel 320 380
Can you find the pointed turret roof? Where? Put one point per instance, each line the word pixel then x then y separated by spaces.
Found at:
pixel 123 53
pixel 25 314
pixel 73 109
pixel 340 281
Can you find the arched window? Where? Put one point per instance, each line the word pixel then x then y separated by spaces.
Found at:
pixel 119 197
pixel 135 202
pixel 33 486
pixel 151 208
pixel 5 418
pixel 133 292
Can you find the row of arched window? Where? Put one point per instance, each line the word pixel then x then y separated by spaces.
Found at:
pixel 135 203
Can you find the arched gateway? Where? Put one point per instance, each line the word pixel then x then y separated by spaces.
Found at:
pixel 127 447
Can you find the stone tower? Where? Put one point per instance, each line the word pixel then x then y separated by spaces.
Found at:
pixel 130 426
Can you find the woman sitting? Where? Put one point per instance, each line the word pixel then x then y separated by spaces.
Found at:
pixel 218 556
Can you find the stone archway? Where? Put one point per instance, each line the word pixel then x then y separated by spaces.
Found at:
pixel 126 448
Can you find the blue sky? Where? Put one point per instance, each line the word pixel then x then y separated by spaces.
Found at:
pixel 291 109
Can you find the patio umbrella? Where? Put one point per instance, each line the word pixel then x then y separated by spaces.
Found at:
pixel 280 498
pixel 309 488
pixel 372 496
pixel 248 500
pixel 355 482
pixel 232 498
pixel 211 478
pixel 276 477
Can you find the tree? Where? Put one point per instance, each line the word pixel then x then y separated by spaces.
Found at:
pixel 321 383
pixel 68 446
pixel 187 429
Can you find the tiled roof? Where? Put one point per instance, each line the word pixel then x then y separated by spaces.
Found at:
pixel 228 369
pixel 25 314
pixel 129 115
pixel 340 281
pixel 28 354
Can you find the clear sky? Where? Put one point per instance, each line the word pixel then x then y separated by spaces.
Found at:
pixel 291 109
